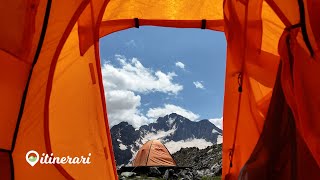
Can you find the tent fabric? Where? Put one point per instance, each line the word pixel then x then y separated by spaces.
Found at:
pixel 280 146
pixel 183 13
pixel 18 46
pixel 153 153
pixel 52 98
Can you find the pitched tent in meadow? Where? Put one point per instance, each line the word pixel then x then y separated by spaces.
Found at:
pixel 52 98
pixel 153 153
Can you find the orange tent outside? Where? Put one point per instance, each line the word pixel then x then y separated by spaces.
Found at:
pixel 153 153
pixel 52 98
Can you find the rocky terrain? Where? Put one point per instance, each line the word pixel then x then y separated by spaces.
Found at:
pixel 206 162
pixel 192 164
pixel 173 130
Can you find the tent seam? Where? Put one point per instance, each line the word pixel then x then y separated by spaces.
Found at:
pixel 149 153
pixel 5 150
pixel 35 60
pixel 25 92
pixel 55 58
pixel 304 27
pixel 96 39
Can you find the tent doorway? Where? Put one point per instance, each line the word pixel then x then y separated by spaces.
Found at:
pixel 152 72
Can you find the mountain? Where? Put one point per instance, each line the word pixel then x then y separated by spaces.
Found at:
pixel 174 130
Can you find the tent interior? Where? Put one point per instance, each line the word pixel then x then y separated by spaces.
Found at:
pixel 49 57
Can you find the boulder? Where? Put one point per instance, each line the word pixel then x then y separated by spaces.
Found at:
pixel 128 174
pixel 154 172
pixel 168 174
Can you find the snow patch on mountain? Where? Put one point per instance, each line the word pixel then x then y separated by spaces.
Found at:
pixel 170 121
pixel 122 147
pixel 174 146
pixel 134 153
pixel 219 139
pixel 157 135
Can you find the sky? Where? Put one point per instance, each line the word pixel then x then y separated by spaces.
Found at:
pixel 149 72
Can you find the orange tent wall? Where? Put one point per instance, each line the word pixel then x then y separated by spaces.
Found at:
pixel 38 128
pixel 47 46
pixel 18 47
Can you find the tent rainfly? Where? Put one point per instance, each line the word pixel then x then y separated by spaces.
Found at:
pixel 52 99
pixel 153 153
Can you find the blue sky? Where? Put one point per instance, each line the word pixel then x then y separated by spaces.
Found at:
pixel 151 71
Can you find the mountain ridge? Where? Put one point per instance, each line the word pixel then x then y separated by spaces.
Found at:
pixel 174 130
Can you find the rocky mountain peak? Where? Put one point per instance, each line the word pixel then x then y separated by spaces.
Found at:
pixel 174 130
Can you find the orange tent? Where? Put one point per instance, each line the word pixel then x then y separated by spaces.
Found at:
pixel 153 153
pixel 52 98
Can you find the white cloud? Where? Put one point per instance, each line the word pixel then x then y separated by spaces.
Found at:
pixel 180 65
pixel 123 106
pixel 135 77
pixel 198 84
pixel 155 113
pixel 174 146
pixel 217 122
pixel 122 83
